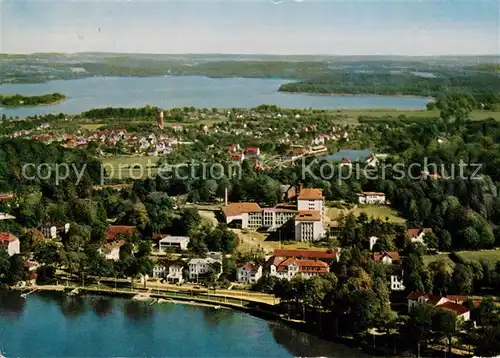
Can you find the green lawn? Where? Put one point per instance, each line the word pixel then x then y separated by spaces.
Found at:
pixel 490 256
pixel 128 166
pixel 377 211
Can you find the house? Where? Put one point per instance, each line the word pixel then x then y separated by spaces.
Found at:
pixel 237 157
pixel 111 250
pixel 248 273
pixel 397 283
pixel 114 230
pixel 200 266
pixel 452 304
pixel 418 234
pixel 386 257
pixel 31 267
pixel 370 197
pixel 10 243
pixel 171 271
pixel 179 242
pixel 290 267
pixel 233 148
pixel 252 151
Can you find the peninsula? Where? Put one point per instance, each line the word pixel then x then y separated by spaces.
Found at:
pixel 18 100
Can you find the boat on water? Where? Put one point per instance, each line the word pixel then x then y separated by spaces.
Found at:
pixel 142 297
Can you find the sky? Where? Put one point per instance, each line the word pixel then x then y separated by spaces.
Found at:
pixel 389 27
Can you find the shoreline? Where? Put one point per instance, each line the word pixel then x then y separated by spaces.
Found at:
pixel 341 94
pixel 35 106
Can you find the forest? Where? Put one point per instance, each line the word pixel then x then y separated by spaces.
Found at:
pixel 473 82
pixel 18 100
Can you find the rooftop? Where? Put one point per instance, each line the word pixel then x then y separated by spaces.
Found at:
pixel 114 230
pixel 378 256
pixel 414 232
pixel 310 194
pixel 308 215
pixel 304 265
pixel 454 308
pixel 7 237
pixel 174 239
pixel 311 254
pixel 240 208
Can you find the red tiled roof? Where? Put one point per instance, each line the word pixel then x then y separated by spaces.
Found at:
pixel 252 266
pixel 372 193
pixel 310 194
pixel 7 237
pixel 251 150
pixel 114 230
pixel 7 196
pixel 378 256
pixel 310 254
pixel 236 156
pixel 240 208
pixel 414 295
pixel 414 232
pixel 457 299
pixel 304 265
pixel 454 308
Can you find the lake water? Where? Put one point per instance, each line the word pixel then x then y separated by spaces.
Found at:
pixel 54 325
pixel 180 91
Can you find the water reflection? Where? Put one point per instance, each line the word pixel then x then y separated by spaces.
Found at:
pixel 71 306
pixel 137 311
pixel 213 317
pixel 304 345
pixel 11 304
pixel 102 306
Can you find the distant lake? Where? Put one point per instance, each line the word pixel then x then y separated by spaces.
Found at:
pixel 55 325
pixel 180 91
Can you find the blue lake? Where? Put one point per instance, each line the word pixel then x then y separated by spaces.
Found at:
pixel 55 325
pixel 180 91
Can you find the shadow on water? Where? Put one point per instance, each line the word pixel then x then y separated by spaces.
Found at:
pixel 102 306
pixel 300 344
pixel 214 317
pixel 137 311
pixel 71 307
pixel 11 304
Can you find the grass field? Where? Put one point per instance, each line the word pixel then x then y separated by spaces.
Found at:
pixel 92 126
pixel 377 211
pixel 490 256
pixel 125 167
pixel 352 115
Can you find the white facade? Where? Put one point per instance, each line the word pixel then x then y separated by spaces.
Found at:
pixel 12 247
pixel 249 273
pixel 180 242
pixel 112 254
pixel 373 241
pixel 201 266
pixel 159 271
pixel 309 230
pixel 371 198
pixel 316 205
pixel 397 283
pixel 175 273
pixel 291 271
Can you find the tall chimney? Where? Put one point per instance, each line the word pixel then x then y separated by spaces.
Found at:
pixel 159 118
pixel 225 197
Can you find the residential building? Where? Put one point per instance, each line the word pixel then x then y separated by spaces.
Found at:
pixel 252 151
pixel 386 257
pixel 10 243
pixel 453 304
pixel 291 267
pixel 370 197
pixel 111 250
pixel 397 283
pixel 417 235
pixel 327 256
pixel 248 273
pixel 159 270
pixel 200 266
pixel 178 242
pixel 392 259
pixel 334 229
pixel 237 157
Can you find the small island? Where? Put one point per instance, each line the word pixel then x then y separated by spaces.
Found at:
pixel 18 100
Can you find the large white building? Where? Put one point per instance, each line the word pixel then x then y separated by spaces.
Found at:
pixel 249 273
pixel 199 266
pixel 308 215
pixel 178 242
pixel 9 243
